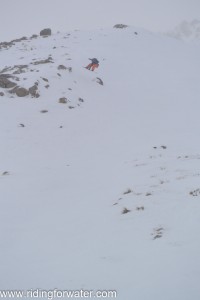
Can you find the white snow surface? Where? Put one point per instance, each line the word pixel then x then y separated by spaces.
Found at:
pixel 67 175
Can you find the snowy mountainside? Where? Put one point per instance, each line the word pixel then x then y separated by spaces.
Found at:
pixel 101 192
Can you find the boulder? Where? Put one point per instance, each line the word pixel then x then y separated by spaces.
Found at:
pixel 22 92
pixel 45 32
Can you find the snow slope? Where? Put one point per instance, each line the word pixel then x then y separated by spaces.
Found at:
pixel 68 174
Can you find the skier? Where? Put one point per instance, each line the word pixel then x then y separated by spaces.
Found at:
pixel 93 65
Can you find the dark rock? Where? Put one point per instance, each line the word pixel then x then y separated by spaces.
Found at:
pixel 45 32
pixel 125 211
pixel 1 94
pixel 6 69
pixel 195 193
pixel 120 26
pixel 20 69
pixel 34 36
pixel 5 173
pixel 6 45
pixel 45 79
pixel 33 90
pixel 62 67
pixel 99 81
pixel 24 38
pixel 63 100
pixel 22 92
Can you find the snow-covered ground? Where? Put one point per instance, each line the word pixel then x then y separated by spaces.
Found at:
pixel 68 172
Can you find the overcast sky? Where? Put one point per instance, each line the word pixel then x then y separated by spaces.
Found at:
pixel 25 17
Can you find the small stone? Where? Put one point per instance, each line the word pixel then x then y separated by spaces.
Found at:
pixel 63 100
pixel 120 26
pixel 45 79
pixel 125 211
pixel 62 67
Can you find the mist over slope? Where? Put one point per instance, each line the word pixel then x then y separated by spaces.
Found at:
pixel 187 31
pixel 101 191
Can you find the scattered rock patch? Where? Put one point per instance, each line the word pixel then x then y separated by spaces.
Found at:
pixel 5 82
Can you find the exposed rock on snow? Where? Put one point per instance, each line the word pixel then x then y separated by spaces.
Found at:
pixel 45 32
pixel 7 45
pixel 99 81
pixel 63 100
pixel 43 61
pixel 34 36
pixel 120 26
pixel 24 38
pixel 20 69
pixel 22 92
pixel 5 82
pixel 125 210
pixel 45 79
pixel 62 67
pixel 33 90
pixel 195 192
